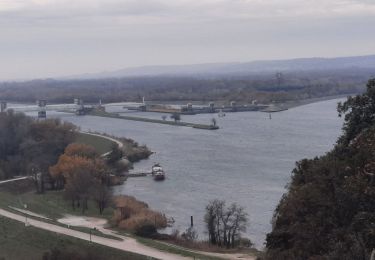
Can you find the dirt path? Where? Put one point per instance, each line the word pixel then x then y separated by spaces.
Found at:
pixel 128 244
pixel 15 179
pixel 30 213
pixel 100 223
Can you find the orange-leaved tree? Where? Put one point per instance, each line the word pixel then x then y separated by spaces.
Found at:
pixel 80 172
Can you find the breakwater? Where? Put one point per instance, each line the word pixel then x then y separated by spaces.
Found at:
pixel 156 121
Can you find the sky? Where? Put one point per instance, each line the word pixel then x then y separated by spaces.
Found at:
pixel 53 38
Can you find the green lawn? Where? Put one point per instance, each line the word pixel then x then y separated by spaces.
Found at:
pixel 29 243
pixel 102 145
pixel 50 204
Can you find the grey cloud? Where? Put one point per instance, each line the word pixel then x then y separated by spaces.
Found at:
pixel 73 37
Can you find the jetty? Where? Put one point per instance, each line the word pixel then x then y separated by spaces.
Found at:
pixel 149 120
pixel 137 174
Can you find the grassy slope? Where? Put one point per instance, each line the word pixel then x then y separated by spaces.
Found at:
pixel 51 204
pixel 102 145
pixel 20 242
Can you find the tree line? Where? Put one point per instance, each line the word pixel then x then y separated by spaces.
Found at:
pixel 244 88
pixel 28 146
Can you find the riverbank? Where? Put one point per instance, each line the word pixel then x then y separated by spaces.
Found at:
pixel 303 102
pixel 50 218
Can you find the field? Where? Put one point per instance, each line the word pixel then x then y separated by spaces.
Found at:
pixel 102 145
pixel 51 204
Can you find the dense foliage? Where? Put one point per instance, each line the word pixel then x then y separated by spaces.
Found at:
pixel 28 146
pixel 83 175
pixel 329 210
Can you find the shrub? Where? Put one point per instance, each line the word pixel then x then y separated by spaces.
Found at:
pixel 132 215
pixel 146 230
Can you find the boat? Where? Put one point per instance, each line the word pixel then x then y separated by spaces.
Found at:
pixel 157 172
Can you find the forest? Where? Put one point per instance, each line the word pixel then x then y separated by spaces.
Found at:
pixel 329 209
pixel 243 88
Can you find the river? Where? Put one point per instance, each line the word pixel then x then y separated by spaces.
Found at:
pixel 248 160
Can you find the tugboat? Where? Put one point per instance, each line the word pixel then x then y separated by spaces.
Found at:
pixel 158 172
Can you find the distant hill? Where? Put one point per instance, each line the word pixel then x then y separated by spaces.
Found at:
pixel 266 66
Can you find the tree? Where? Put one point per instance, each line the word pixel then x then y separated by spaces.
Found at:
pixel 225 224
pixel 81 150
pixel 358 113
pixel 115 154
pixel 83 175
pixel 79 182
pixel 190 234
pixel 328 211
pixel 176 117
pixel 101 195
pixel 25 142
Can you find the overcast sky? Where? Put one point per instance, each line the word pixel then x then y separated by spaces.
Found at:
pixel 46 38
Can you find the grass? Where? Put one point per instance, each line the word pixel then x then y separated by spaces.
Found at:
pixel 29 243
pixel 101 145
pixel 51 204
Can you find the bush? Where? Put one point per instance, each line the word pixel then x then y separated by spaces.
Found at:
pixel 132 215
pixel 146 230
pixel 190 234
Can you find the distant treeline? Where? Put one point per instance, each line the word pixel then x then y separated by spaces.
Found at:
pixel 263 87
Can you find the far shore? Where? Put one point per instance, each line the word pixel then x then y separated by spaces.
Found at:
pixel 297 103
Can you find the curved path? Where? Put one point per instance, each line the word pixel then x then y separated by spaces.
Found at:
pixel 15 179
pixel 128 244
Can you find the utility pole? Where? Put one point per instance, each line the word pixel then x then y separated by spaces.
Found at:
pixel 25 206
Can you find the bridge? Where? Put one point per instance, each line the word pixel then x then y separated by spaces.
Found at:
pixel 127 105
pixel 42 107
pixel 77 107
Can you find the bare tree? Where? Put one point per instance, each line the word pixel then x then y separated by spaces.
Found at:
pixel 102 196
pixel 225 224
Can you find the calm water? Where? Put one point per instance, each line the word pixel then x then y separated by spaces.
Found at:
pixel 248 161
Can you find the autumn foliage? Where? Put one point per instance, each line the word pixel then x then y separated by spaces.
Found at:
pixel 83 175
